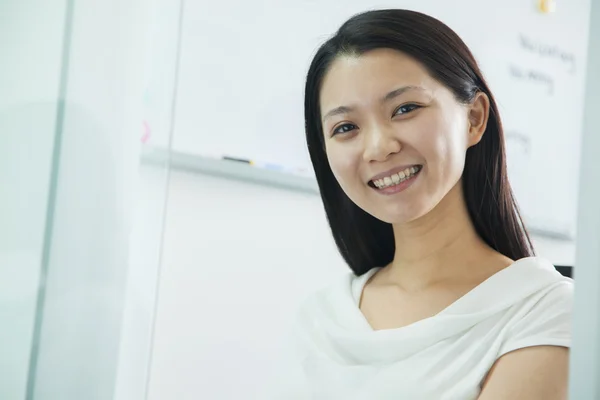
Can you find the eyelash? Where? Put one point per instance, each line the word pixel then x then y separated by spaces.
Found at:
pixel 411 107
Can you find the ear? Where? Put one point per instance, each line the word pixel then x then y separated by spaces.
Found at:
pixel 479 111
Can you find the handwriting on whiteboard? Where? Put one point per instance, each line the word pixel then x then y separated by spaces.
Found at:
pixel 548 51
pixel 541 64
pixel 533 76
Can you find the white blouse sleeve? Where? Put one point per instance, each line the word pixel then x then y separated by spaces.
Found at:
pixel 547 322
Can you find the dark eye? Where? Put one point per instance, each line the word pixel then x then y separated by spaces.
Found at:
pixel 345 128
pixel 405 109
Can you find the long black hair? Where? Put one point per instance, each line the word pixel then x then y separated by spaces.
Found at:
pixel 363 240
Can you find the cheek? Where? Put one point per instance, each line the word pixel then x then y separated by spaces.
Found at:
pixel 444 149
pixel 344 163
pixel 456 147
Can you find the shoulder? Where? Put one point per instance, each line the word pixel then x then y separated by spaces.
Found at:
pixel 543 317
pixel 533 358
pixel 552 289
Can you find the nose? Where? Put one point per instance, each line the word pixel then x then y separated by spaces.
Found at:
pixel 380 143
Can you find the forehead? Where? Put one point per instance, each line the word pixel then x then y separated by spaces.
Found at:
pixel 353 78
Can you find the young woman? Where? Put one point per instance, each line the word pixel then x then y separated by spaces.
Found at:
pixel 445 299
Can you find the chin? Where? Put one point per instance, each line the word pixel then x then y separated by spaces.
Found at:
pixel 397 219
pixel 398 215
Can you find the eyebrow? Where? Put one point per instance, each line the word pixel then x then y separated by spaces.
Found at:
pixel 390 96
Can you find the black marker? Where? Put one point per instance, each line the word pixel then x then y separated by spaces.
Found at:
pixel 235 159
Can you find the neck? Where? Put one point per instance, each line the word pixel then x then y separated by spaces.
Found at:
pixel 438 246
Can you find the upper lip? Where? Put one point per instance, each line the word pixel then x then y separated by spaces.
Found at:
pixel 392 171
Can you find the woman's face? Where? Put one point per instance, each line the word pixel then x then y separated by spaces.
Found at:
pixel 395 138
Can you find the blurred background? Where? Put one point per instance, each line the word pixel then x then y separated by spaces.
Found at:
pixel 159 219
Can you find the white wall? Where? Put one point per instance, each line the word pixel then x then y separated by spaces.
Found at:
pixel 238 257
pixel 31 42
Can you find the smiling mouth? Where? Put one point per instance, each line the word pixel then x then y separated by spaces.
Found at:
pixel 396 179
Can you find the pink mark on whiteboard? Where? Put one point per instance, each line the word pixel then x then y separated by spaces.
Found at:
pixel 146 132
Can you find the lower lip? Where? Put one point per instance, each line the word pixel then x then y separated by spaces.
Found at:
pixel 399 187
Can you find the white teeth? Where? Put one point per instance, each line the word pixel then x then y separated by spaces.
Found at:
pixel 396 178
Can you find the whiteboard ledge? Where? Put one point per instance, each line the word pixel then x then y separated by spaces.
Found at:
pixel 228 169
pixel 247 173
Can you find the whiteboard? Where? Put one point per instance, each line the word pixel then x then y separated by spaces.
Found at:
pixel 242 67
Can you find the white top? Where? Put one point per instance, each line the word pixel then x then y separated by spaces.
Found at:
pixel 442 357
